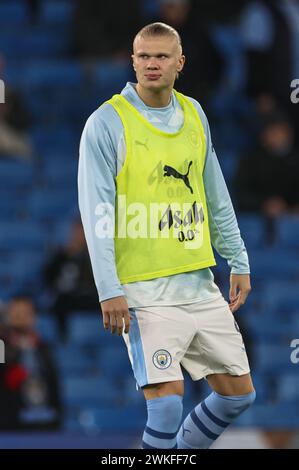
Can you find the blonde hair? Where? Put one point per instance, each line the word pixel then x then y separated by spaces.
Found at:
pixel 159 29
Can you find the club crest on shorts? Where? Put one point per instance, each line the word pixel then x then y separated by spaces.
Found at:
pixel 162 359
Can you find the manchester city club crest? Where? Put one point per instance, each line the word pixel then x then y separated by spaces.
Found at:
pixel 194 138
pixel 162 359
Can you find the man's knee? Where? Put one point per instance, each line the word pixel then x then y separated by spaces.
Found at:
pixel 163 389
pixel 248 399
pixel 233 406
pixel 231 385
pixel 165 412
pixel 165 404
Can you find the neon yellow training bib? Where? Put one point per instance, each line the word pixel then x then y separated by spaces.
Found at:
pixel 161 219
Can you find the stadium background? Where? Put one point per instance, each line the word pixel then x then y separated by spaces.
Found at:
pixel 59 61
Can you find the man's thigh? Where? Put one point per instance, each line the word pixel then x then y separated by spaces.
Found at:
pixel 231 385
pixel 217 347
pixel 163 389
pixel 157 341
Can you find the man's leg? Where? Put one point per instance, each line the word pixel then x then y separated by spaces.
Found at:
pixel 164 409
pixel 231 396
pixel 226 384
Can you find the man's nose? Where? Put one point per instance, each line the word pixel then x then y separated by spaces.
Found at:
pixel 152 63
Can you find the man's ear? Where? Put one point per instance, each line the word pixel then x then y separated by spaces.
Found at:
pixel 182 63
pixel 132 56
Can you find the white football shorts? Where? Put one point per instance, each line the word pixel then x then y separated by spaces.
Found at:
pixel 203 337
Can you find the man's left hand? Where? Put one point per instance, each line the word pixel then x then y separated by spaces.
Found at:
pixel 239 290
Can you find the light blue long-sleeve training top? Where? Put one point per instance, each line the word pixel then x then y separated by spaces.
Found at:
pixel 102 154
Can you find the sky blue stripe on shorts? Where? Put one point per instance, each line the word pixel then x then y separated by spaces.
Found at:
pixel 137 351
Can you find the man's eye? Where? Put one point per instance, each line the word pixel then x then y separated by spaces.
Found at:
pixel 144 56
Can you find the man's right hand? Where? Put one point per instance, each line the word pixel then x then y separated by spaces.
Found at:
pixel 116 315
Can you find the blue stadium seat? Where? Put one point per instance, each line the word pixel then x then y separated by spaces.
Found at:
pixel 84 328
pixel 261 385
pixel 56 12
pixel 274 264
pixel 16 277
pixel 10 206
pixel 55 141
pixel 130 394
pixel 150 8
pixel 6 272
pixel 46 205
pixel 221 266
pixel 270 327
pixel 61 231
pixel 15 174
pixel 288 387
pixel 84 391
pixel 288 232
pixel 56 106
pixel 229 162
pixel 26 263
pixel 35 43
pixel 61 173
pixel 130 418
pixel 53 74
pixel 270 416
pixel 281 297
pixel 229 43
pixel 114 360
pixel 47 328
pixel 21 236
pixel 73 360
pixel 14 71
pixel 252 229
pixel 110 77
pixel 273 357
pixel 13 13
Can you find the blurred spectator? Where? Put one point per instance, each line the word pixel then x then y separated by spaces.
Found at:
pixel 68 276
pixel 220 12
pixel 267 179
pixel 13 139
pixel 271 37
pixel 265 105
pixel 13 124
pixel 260 110
pixel 104 29
pixel 203 68
pixel 29 393
pixel 34 9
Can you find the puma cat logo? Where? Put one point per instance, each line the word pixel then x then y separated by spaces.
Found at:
pixel 144 144
pixel 169 171
pixel 185 430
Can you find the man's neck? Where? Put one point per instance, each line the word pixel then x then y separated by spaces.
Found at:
pixel 154 99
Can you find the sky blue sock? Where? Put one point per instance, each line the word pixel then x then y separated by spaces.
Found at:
pixel 210 418
pixel 164 419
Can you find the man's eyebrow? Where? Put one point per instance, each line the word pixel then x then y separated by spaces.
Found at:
pixel 155 55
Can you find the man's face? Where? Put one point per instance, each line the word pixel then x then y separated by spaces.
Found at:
pixel 278 138
pixel 157 60
pixel 21 315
